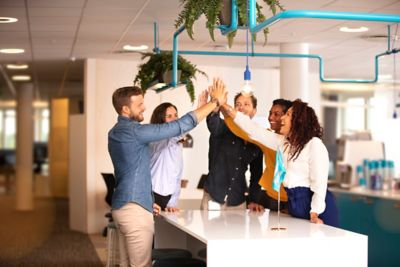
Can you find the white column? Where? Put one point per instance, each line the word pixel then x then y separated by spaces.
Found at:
pixel 24 167
pixel 294 73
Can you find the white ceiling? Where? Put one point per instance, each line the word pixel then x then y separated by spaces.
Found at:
pixel 54 31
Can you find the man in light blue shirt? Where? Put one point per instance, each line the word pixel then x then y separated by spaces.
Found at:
pixel 128 145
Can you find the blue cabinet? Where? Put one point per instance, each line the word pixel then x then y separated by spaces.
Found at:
pixel 377 218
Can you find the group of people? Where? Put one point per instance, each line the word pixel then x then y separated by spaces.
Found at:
pixel 148 162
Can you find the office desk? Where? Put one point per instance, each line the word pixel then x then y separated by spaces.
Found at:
pixel 243 238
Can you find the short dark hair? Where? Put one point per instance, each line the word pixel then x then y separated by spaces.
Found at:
pixel 160 111
pixel 253 99
pixel 121 96
pixel 284 103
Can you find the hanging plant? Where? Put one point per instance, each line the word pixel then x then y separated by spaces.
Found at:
pixel 159 67
pixel 212 9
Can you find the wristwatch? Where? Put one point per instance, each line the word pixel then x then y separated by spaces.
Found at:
pixel 214 100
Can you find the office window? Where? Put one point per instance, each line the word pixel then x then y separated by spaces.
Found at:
pixel 1 128
pixel 41 125
pixel 9 129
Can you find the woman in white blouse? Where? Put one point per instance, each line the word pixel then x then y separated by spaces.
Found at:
pixel 305 159
pixel 166 161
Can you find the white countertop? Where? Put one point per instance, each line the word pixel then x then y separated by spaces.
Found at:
pixel 243 238
pixel 241 224
pixel 389 194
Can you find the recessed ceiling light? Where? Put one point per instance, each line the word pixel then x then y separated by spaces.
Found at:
pixel 348 29
pixel 21 78
pixel 7 20
pixel 17 66
pixel 12 50
pixel 135 48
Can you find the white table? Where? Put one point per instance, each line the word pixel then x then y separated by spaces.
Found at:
pixel 243 238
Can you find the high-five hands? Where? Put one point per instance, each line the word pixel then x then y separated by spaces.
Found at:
pixel 218 95
pixel 218 91
pixel 203 99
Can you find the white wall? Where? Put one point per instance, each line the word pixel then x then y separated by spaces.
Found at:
pixel 384 127
pixel 102 77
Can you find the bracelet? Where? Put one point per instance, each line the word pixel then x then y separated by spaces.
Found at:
pixel 215 100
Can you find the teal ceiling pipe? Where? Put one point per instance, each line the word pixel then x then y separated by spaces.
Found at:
pixel 311 56
pixel 254 28
pixel 317 14
pixel 174 82
pixel 156 49
pixel 281 55
pixel 234 20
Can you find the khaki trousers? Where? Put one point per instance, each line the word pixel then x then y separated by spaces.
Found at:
pixel 207 202
pixel 136 230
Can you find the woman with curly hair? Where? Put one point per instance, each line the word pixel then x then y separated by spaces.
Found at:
pixel 305 159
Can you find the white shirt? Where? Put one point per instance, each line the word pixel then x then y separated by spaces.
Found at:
pixel 166 166
pixel 310 169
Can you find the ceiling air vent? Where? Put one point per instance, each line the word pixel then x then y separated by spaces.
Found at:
pixel 380 37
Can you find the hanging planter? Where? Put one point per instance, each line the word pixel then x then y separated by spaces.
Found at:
pixel 225 15
pixel 158 70
pixel 217 12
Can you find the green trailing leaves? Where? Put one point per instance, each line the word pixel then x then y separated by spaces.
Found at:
pixel 158 64
pixel 193 9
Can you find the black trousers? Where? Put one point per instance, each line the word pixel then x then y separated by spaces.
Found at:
pixel 270 203
pixel 161 200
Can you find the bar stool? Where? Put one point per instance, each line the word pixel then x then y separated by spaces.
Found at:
pixel 170 253
pixel 158 254
pixel 179 263
pixel 112 245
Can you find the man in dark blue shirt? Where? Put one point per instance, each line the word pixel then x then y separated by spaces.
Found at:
pixel 128 145
pixel 229 158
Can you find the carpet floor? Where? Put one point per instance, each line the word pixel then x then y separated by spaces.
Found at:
pixel 42 237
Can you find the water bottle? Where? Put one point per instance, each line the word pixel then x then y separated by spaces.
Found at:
pixel 376 178
pixel 371 172
pixel 390 164
pixel 360 176
pixel 367 173
pixel 386 184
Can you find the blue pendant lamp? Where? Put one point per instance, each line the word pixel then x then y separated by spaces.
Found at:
pixel 247 89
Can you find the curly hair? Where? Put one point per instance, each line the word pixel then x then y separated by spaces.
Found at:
pixel 304 126
pixel 160 111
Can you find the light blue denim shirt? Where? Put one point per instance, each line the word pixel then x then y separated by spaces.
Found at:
pixel 128 145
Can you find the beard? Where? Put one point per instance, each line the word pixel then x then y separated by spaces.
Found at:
pixel 137 117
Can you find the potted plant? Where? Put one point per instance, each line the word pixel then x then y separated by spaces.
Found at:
pixel 158 70
pixel 217 13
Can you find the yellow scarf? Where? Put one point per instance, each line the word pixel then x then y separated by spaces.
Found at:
pixel 269 158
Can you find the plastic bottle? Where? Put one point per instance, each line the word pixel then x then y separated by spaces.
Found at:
pixel 391 174
pixel 360 176
pixel 386 183
pixel 376 178
pixel 367 173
